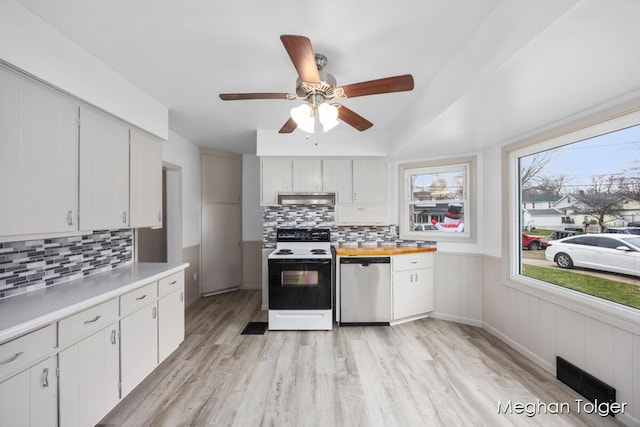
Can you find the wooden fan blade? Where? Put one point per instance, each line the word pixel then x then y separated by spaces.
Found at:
pixel 374 87
pixel 301 54
pixel 288 127
pixel 244 96
pixel 352 118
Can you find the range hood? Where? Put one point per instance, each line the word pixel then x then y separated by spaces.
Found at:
pixel 315 199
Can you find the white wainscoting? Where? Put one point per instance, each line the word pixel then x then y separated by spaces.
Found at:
pixel 542 330
pixel 458 287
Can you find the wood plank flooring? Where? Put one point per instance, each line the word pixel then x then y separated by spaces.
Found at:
pixel 427 372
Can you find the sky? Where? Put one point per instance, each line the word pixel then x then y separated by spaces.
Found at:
pixel 612 153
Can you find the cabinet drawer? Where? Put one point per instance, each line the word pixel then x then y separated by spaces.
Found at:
pixel 412 261
pixel 138 298
pixel 171 283
pixel 24 351
pixel 87 322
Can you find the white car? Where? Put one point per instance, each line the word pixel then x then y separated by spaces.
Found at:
pixel 618 253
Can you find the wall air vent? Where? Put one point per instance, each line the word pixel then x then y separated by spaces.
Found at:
pixel 584 383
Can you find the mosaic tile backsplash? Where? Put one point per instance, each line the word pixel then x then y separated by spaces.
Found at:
pixel 34 264
pixel 274 217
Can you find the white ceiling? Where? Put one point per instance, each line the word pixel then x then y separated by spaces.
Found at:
pixel 486 71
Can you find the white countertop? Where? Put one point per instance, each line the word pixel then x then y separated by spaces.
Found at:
pixel 29 311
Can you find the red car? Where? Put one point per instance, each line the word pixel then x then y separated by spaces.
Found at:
pixel 531 242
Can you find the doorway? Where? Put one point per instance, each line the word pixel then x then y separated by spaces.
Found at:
pixel 164 244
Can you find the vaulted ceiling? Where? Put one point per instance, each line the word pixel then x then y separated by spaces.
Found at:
pixel 486 71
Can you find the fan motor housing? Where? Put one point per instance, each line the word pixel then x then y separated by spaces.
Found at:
pixel 325 87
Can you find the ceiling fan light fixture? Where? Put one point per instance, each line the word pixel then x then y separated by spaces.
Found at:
pixel 304 117
pixel 328 115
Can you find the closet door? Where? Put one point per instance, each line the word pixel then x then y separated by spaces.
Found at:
pixel 221 247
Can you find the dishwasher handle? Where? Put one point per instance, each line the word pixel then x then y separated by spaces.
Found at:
pixel 365 261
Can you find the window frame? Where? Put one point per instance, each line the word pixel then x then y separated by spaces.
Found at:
pixel 616 314
pixel 470 230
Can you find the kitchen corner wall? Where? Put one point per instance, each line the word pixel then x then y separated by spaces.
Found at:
pixel 33 264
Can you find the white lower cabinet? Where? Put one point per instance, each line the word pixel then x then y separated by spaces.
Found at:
pixel 89 377
pixel 30 398
pixel 170 315
pixel 138 346
pixel 412 282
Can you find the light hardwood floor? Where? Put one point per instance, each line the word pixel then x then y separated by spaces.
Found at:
pixel 423 373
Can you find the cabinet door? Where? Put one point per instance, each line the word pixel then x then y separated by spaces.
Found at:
pixel 412 292
pixel 104 172
pixel 337 177
pixel 145 180
pixel 307 175
pixel 89 376
pixel 369 181
pixel 221 179
pixel 275 177
pixel 31 397
pixel 38 158
pixel 170 323
pixel 138 346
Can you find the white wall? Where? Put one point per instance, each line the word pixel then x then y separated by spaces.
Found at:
pixel 30 44
pixel 251 209
pixel 185 154
pixel 348 143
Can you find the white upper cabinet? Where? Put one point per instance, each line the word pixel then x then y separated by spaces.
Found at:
pixel 336 178
pixel 38 158
pixel 276 177
pixel 104 171
pixel 307 175
pixel 369 181
pixel 145 180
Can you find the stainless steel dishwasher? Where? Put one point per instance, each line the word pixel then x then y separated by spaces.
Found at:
pixel 365 290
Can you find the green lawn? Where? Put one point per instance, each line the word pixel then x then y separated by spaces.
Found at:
pixel 623 293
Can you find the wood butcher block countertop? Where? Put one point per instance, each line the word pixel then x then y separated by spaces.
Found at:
pixel 380 250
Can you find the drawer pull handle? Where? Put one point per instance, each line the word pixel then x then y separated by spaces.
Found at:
pixel 142 297
pixel 92 320
pixel 414 262
pixel 174 282
pixel 12 358
pixel 154 313
pixel 113 336
pixel 45 377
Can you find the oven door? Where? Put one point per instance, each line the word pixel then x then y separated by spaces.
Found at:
pixel 297 284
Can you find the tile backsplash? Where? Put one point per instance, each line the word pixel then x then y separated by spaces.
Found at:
pixel 34 264
pixel 274 217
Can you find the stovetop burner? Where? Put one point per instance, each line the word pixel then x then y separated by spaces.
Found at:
pixel 318 251
pixel 284 252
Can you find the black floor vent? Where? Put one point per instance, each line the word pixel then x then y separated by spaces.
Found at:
pixel 584 383
pixel 255 328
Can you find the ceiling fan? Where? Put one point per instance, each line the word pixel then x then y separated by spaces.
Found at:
pixel 317 87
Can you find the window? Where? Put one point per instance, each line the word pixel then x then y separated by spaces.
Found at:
pixel 438 200
pixel 593 175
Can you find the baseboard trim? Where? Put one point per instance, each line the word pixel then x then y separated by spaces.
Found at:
pixel 256 286
pixel 521 349
pixel 456 319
